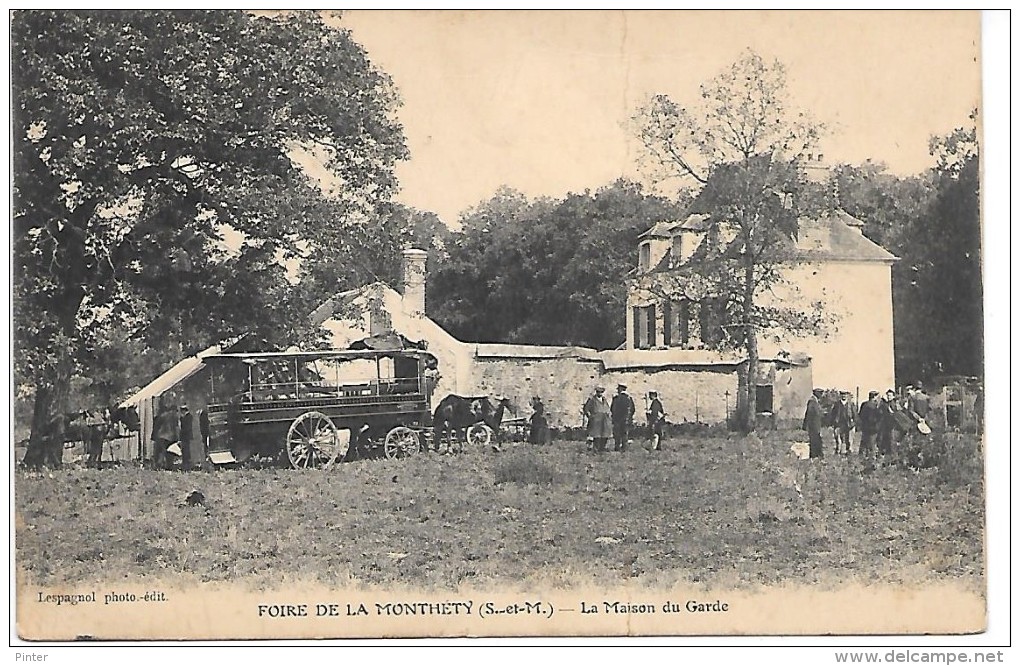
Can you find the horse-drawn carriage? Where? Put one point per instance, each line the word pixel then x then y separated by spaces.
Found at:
pixel 317 408
pixel 314 409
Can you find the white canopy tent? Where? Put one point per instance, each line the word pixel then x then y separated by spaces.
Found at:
pixel 144 401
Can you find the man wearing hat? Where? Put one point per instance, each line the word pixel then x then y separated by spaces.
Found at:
pixel 622 410
pixel 656 416
pixel 843 418
pixel 870 417
pixel 919 403
pixel 596 416
pixel 187 437
pixel 890 422
pixel 813 423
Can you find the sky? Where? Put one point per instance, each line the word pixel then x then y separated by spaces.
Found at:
pixel 541 101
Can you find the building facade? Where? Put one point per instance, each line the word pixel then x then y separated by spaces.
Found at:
pixel 695 385
pixel 833 270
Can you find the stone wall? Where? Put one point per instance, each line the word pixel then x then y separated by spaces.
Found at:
pixel 563 384
pixel 705 395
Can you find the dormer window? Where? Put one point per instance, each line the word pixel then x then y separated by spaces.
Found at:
pixel 677 252
pixel 644 256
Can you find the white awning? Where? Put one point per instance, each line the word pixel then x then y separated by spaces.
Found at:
pixel 171 378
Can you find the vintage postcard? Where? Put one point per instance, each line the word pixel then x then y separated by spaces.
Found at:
pixel 393 324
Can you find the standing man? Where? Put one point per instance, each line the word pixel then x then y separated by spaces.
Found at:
pixel 919 403
pixel 813 423
pixel 165 431
pixel 187 437
pixel 843 418
pixel 656 419
pixel 596 414
pixel 889 423
pixel 870 418
pixel 431 375
pixel 622 410
pixel 95 435
pixel 538 433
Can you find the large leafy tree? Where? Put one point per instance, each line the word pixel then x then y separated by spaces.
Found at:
pixel 889 205
pixel 544 271
pixel 945 264
pixel 738 144
pixel 156 188
pixel 367 251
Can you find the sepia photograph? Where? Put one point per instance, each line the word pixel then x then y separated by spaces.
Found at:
pixel 442 324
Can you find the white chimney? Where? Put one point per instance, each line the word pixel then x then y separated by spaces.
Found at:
pixel 414 282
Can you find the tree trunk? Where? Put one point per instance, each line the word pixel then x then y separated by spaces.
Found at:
pixel 46 442
pixel 751 347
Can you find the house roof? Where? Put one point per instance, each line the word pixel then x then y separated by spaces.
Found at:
pixel 837 237
pixel 661 230
pixel 832 236
pixel 336 303
pixel 696 222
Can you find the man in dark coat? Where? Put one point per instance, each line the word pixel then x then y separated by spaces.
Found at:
pixel 656 416
pixel 538 433
pixel 813 423
pixel 919 403
pixel 596 417
pixel 95 434
pixel 187 437
pixel 870 418
pixel 622 410
pixel 889 424
pixel 843 418
pixel 165 431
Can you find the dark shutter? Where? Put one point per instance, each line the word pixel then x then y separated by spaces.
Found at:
pixel 651 326
pixel 667 324
pixel 684 319
pixel 705 316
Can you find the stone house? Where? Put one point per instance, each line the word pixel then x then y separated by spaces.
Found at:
pixel 695 385
pixel 831 266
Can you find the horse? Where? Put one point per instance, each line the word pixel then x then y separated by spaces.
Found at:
pixel 458 413
pixel 93 427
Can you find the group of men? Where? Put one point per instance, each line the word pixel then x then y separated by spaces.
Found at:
pixel 882 421
pixel 175 425
pixel 604 419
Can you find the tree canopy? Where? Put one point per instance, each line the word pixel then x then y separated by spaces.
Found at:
pixel 544 271
pixel 932 222
pixel 740 144
pixel 155 181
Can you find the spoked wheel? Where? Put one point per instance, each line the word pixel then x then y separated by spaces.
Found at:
pixel 313 441
pixel 479 435
pixel 401 442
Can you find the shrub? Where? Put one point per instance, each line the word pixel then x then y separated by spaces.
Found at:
pixel 524 470
pixel 957 456
pixel 697 429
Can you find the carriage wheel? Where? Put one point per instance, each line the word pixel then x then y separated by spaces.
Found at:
pixel 313 441
pixel 479 435
pixel 401 442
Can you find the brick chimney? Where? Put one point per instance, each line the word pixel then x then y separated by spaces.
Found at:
pixel 413 282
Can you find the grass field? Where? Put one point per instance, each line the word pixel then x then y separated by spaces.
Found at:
pixel 721 511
